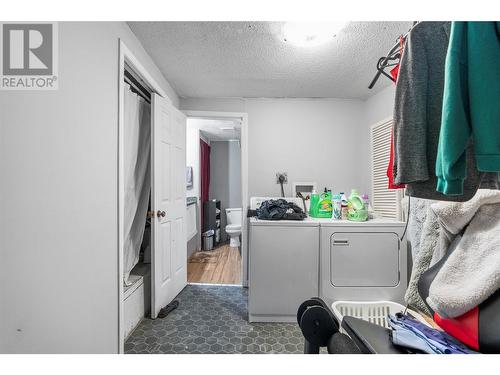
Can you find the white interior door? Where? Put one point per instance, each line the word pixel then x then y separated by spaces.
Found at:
pixel 168 201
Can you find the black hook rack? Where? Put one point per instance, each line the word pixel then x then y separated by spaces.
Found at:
pixel 393 55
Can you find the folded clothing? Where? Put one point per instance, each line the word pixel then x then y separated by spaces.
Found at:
pixel 411 333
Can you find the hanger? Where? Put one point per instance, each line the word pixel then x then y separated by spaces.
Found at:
pixel 381 65
pixel 391 59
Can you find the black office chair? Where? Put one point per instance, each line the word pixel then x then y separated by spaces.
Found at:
pixel 320 328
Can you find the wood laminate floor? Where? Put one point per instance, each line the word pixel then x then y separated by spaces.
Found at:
pixel 221 265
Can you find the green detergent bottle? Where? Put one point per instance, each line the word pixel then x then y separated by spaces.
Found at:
pixel 324 209
pixel 356 210
pixel 313 204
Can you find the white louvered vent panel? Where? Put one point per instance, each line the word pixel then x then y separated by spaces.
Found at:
pixel 385 202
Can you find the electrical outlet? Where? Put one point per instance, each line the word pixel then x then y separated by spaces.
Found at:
pixel 284 174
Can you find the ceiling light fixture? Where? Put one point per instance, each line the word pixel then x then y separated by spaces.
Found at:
pixel 310 34
pixel 227 128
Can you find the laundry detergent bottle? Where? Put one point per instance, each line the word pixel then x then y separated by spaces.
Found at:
pixel 313 205
pixel 325 205
pixel 356 208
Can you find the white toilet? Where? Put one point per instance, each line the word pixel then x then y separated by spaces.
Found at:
pixel 233 227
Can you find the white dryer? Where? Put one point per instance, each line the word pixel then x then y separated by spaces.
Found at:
pixel 363 261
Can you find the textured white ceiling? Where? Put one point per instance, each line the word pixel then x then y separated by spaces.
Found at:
pixel 250 59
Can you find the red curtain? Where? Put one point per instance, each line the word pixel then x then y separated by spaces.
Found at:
pixel 204 176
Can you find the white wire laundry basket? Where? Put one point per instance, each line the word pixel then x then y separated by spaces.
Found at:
pixel 374 312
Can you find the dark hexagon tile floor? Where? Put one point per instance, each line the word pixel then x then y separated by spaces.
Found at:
pixel 213 320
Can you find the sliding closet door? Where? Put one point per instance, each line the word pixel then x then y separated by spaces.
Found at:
pixel 169 274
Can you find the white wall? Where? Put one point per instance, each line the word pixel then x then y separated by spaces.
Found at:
pixel 193 156
pixel 234 171
pixel 380 106
pixel 311 140
pixel 225 176
pixel 58 199
pixel 321 140
pixel 193 160
pixel 217 104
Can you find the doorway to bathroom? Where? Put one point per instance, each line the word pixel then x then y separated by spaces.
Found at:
pixel 215 175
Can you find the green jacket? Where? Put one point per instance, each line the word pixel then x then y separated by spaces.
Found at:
pixel 471 103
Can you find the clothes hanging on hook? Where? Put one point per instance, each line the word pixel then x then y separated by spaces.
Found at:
pixel 390 168
pixel 417 115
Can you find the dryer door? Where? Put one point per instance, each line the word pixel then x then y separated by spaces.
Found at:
pixel 364 259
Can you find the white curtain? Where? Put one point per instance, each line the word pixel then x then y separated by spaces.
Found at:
pixel 137 176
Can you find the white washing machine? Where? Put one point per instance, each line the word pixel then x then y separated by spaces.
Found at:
pixel 364 261
pixel 283 266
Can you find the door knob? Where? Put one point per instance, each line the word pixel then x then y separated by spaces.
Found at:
pixel 161 213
